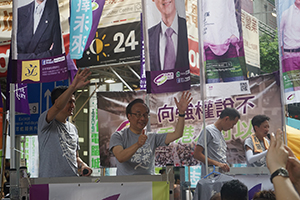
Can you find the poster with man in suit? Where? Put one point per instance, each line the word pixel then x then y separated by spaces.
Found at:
pixel 39 32
pixel 168 66
pixel 37 42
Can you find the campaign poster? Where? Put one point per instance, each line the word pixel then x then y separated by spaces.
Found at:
pixel 166 46
pixel 289 41
pixel 37 43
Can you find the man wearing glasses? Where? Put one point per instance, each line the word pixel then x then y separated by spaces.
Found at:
pixel 133 149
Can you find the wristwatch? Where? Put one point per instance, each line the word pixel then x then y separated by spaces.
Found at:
pixel 279 172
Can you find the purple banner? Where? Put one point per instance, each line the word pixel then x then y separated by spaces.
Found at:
pixel 97 8
pixel 143 83
pixel 21 95
pixel 43 70
pixel 37 192
pixel 21 98
pixel 168 81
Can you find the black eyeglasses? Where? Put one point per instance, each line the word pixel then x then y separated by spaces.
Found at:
pixel 139 115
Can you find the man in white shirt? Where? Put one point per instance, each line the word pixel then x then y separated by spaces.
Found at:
pixel 289 38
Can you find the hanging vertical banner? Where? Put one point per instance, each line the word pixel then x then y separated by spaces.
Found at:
pixel 167 63
pixel 32 155
pixel 289 41
pixel 143 81
pixel 94 156
pixel 37 42
pixel 80 26
pixel 97 8
pixel 21 98
pixel 251 39
pixel 223 48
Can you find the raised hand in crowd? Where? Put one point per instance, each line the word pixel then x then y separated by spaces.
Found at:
pixel 293 167
pixel 277 158
pixel 80 79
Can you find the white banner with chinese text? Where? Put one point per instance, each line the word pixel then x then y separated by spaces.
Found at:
pixel 251 39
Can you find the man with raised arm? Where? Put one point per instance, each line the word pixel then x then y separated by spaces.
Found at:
pixel 57 137
pixel 134 150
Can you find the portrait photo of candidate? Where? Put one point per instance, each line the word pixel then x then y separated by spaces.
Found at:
pixel 289 39
pixel 167 35
pixel 38 30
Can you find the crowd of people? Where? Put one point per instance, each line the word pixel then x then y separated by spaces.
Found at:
pixel 284 168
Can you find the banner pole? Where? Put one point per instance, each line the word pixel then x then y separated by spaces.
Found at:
pixel 4 138
pixel 202 74
pixel 282 95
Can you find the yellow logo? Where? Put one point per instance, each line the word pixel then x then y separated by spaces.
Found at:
pixel 31 70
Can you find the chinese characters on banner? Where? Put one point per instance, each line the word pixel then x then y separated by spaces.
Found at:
pixel 93 127
pixel 21 98
pixel 264 99
pixel 251 43
pixel 80 26
pixel 289 41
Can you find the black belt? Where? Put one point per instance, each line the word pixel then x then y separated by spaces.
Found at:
pixel 291 50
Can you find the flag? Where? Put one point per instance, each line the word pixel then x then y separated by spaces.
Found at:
pixel 97 8
pixel 81 21
pixel 21 96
